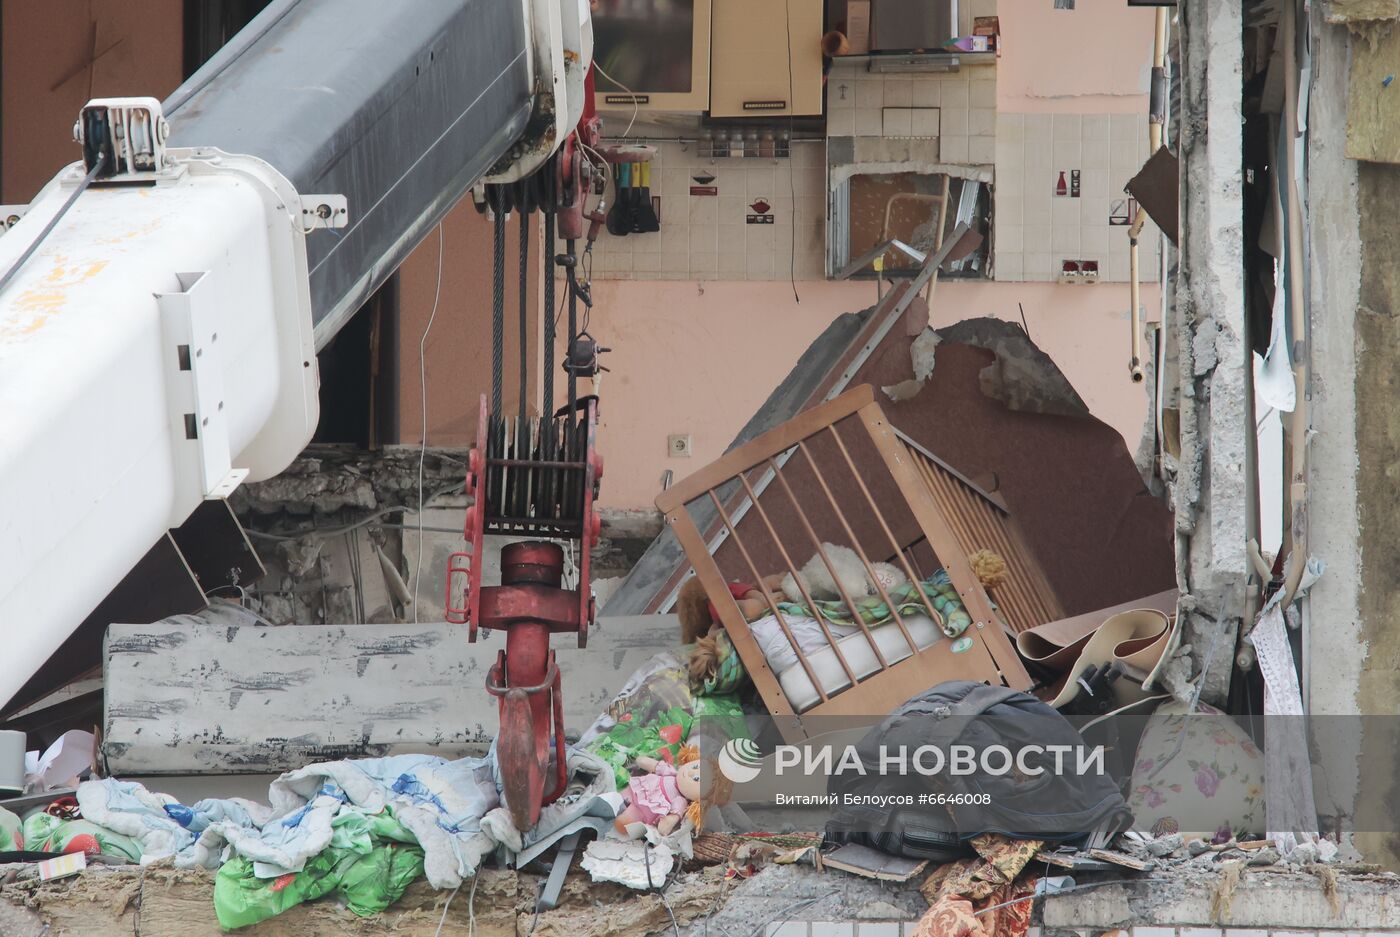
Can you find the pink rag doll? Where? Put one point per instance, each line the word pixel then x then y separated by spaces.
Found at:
pixel 663 796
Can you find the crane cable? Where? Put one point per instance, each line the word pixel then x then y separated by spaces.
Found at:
pixel 524 308
pixel 549 319
pixel 53 222
pixel 498 289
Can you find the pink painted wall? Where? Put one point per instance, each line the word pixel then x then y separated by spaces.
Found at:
pixel 700 358
pixel 1094 59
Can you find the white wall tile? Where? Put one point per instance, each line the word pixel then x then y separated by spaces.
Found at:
pixel 899 91
pixel 870 92
pixel 898 121
pixel 982 121
pixel 981 151
pixel 924 122
pixel 1038 127
pixel 733 266
pixel 759 266
pixel 955 93
pixel 953 121
pixel 1155 932
pixel 952 149
pixel 1068 154
pixel 1009 237
pixel 761 181
pixel 1068 127
pixel 842 123
pixel 1036 237
pixel 1064 212
pixel 1123 127
pixel 982 93
pixel 926 92
pixel 1035 206
pixel 1010 267
pixel 1011 128
pixel 701 210
pixel 1094 240
pixel 1095 127
pixel 1095 155
pixel 869 122
pixel 1064 240
pixel 1037 265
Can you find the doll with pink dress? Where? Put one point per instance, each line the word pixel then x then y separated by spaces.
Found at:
pixel 663 796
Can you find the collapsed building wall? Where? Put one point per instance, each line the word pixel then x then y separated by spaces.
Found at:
pixel 1209 401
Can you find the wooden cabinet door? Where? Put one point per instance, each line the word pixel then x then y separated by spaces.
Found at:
pixel 754 69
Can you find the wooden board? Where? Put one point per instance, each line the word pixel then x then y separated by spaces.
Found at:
pixel 235 700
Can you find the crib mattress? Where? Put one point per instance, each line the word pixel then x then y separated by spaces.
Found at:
pixel 798 688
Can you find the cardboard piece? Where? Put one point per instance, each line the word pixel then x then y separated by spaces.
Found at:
pixel 1157 189
pixel 858 26
pixel 1057 644
pixel 871 863
pixel 63 866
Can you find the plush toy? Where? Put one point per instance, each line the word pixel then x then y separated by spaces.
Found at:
pixel 989 568
pixel 663 796
pixel 818 582
pixel 698 614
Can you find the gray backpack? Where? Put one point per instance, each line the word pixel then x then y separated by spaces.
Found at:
pixel 1054 788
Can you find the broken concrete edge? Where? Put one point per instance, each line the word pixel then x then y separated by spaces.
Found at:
pixel 1022 377
pixel 1261 899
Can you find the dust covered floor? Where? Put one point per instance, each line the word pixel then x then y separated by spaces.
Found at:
pixel 164 902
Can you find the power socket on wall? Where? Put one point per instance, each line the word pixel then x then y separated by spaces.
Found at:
pixel 679 446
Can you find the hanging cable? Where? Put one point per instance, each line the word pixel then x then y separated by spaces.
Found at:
pixel 570 246
pixel 498 312
pixel 524 310
pixel 423 401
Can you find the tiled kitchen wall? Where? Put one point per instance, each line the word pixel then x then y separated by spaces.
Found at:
pixel 1036 230
pixel 708 237
pixel 959 108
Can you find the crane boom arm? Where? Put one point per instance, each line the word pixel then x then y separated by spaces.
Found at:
pixel 158 330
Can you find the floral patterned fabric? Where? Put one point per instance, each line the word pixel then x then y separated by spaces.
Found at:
pixel 964 896
pixel 1200 771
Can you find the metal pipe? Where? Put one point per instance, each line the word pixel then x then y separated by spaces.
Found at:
pixel 1156 118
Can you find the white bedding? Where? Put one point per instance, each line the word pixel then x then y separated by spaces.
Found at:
pixel 855 648
pixel 829 672
pixel 807 631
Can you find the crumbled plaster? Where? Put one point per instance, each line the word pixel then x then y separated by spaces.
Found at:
pixel 328 574
pixel 1022 377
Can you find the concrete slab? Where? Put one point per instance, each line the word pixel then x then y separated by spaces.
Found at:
pixel 221 700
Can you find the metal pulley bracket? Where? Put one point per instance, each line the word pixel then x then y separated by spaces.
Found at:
pixel 582 359
pixel 324 211
pixel 10 216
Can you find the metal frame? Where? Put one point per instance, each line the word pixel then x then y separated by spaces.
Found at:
pixel 952 517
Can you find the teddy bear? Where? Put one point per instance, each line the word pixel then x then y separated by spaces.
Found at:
pixel 851 575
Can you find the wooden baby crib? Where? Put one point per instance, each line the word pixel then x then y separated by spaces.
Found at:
pixel 840 473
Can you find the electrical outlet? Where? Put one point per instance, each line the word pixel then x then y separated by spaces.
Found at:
pixel 679 445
